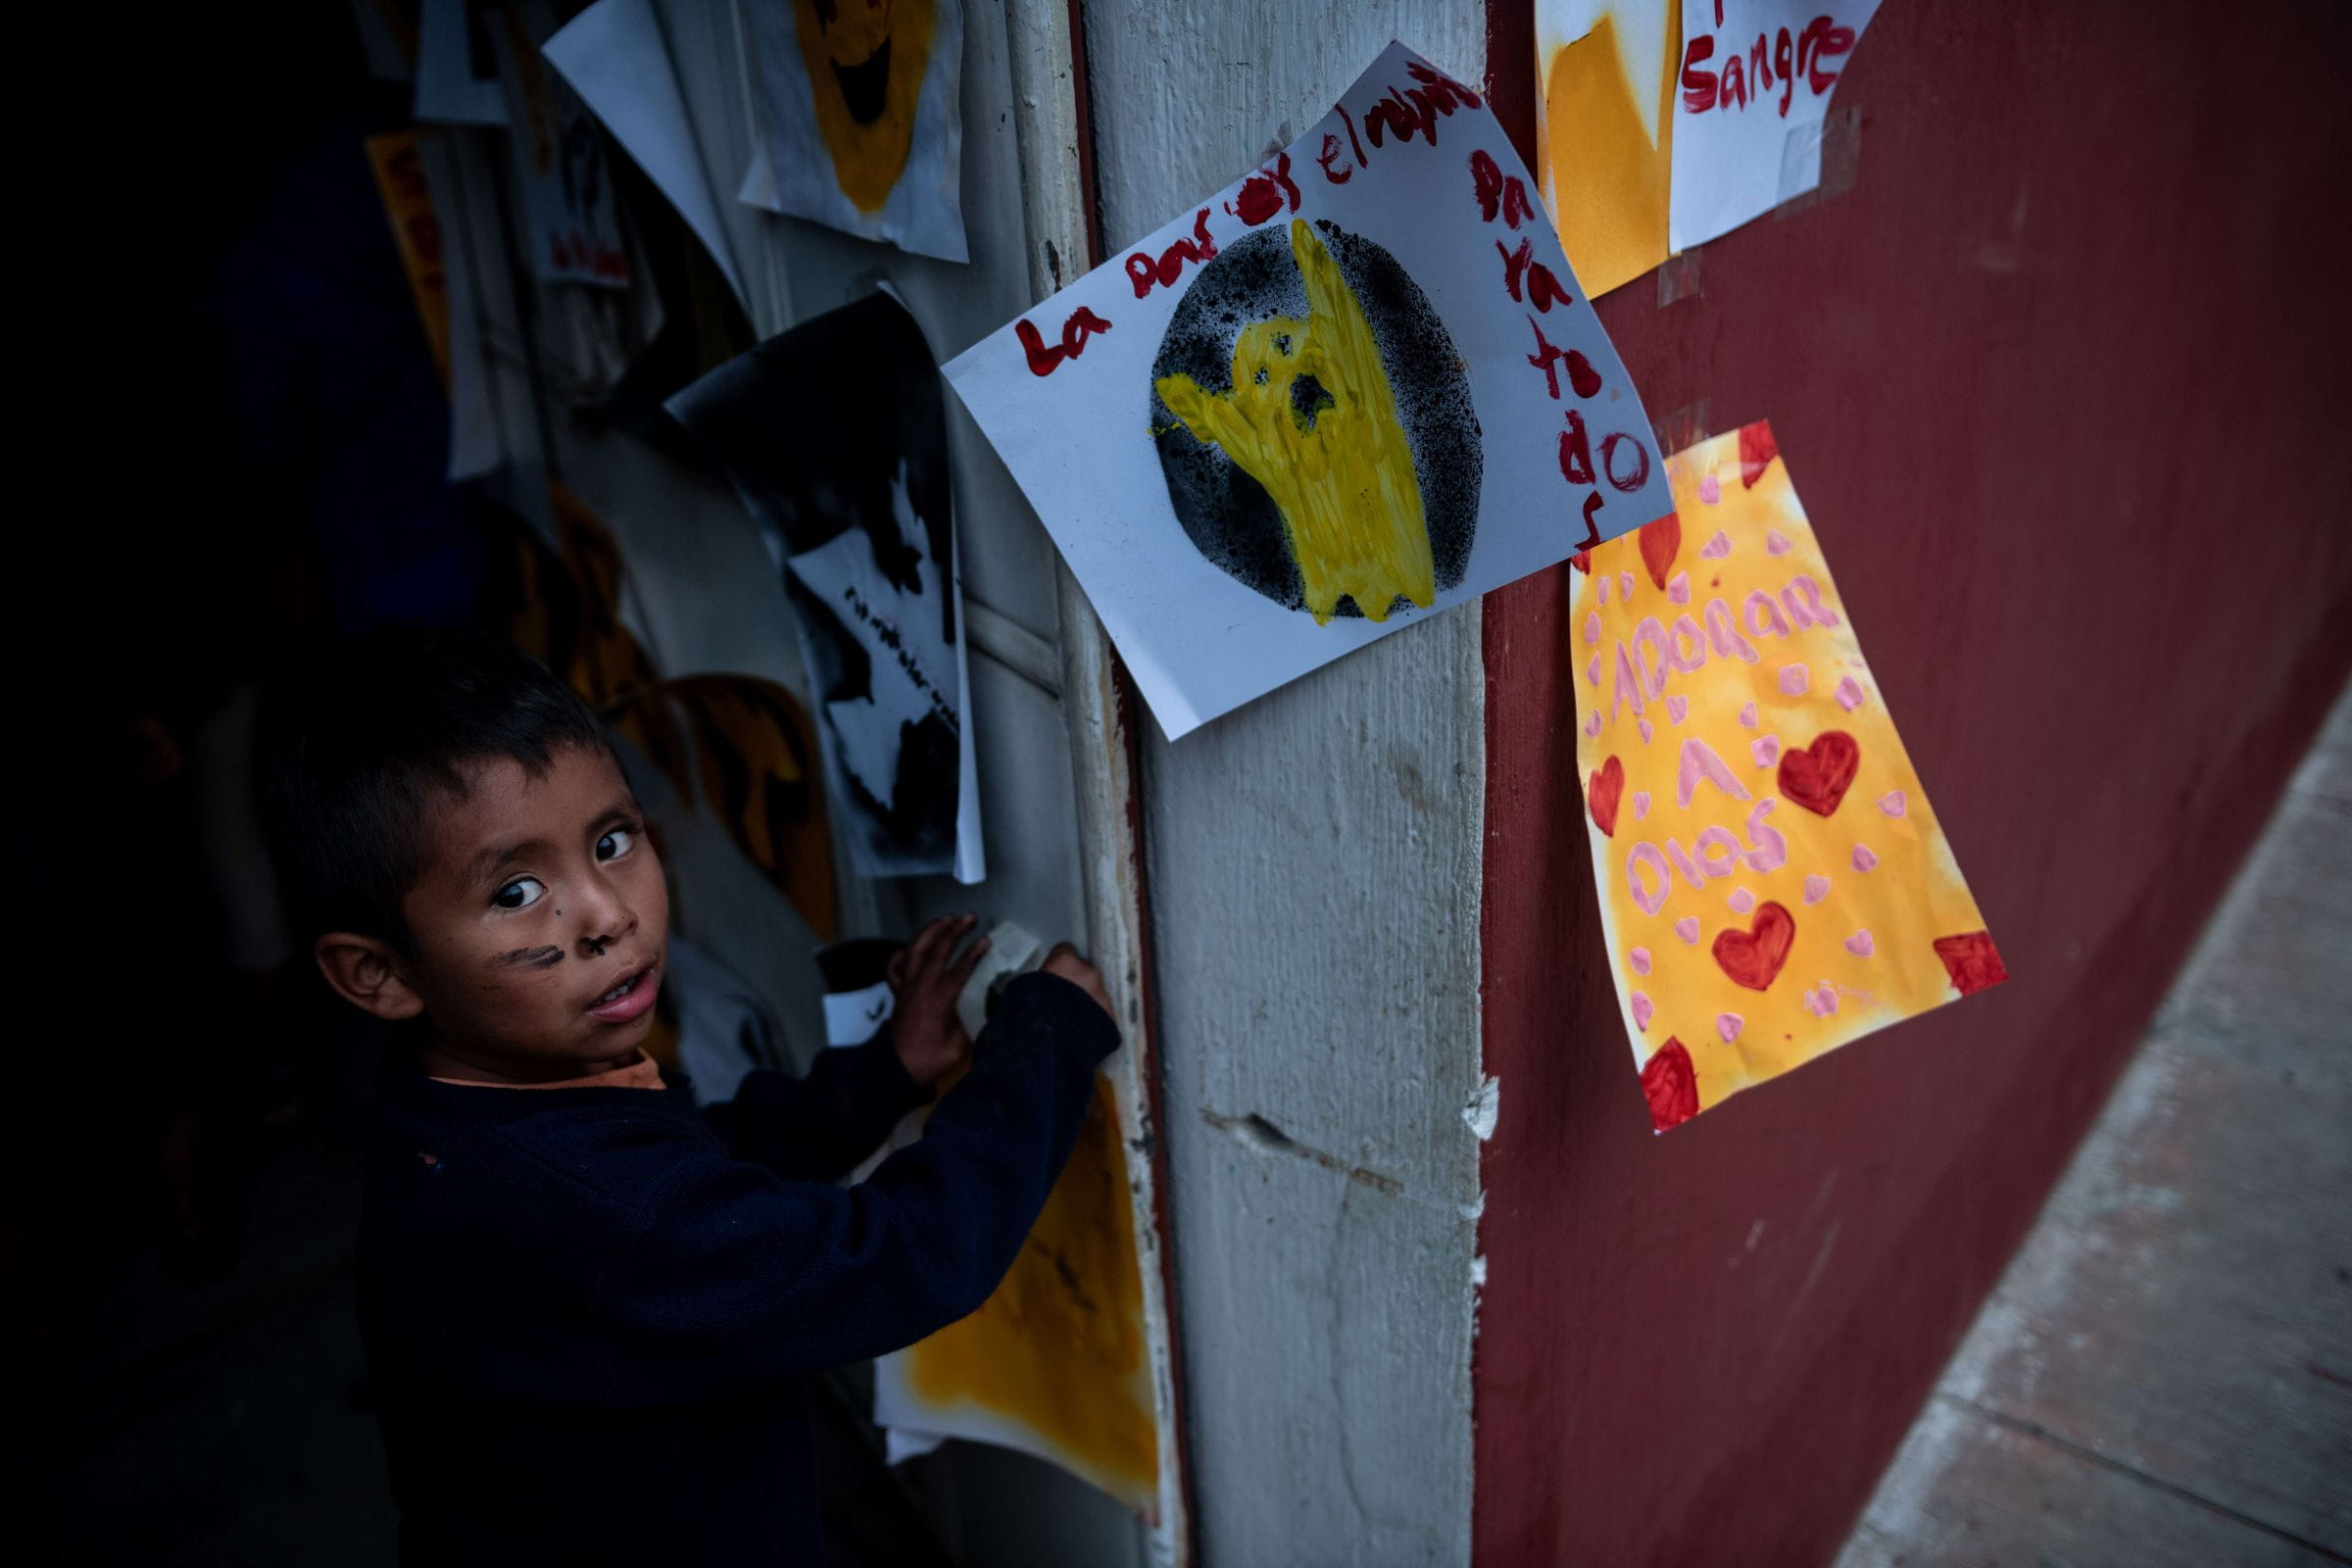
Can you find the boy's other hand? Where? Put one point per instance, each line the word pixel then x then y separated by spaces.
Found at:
pixel 927 975
pixel 1064 961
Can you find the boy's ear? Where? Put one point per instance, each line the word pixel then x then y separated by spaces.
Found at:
pixel 364 972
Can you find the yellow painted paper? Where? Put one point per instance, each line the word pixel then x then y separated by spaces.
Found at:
pixel 408 203
pixel 1773 880
pixel 1055 1362
pixel 865 61
pixel 1605 131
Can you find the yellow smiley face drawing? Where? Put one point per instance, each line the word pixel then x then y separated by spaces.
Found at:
pixel 865 61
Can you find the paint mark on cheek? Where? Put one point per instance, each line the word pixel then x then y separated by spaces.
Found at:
pixel 531 959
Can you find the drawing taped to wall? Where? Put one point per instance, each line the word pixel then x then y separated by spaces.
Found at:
pixel 1055 1362
pixel 835 436
pixel 1663 124
pixel 568 183
pixel 860 118
pixel 1357 386
pixel 1604 134
pixel 1773 880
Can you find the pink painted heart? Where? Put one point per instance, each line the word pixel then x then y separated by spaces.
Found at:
pixel 1643 1010
pixel 1849 694
pixel 1592 726
pixel 1592 625
pixel 1775 543
pixel 1817 888
pixel 1710 490
pixel 1716 547
pixel 1748 716
pixel 1741 901
pixel 1765 749
pixel 1641 805
pixel 1625 586
pixel 1893 804
pixel 1592 670
pixel 1863 858
pixel 1639 959
pixel 1794 678
pixel 1679 590
pixel 1729 1025
pixel 1643 725
pixel 1860 945
pixel 1687 929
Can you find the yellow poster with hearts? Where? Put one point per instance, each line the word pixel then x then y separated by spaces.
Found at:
pixel 1773 880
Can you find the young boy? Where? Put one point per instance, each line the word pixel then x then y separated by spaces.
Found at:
pixel 589 1318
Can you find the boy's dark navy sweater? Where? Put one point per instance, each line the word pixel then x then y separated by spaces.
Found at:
pixel 589 1325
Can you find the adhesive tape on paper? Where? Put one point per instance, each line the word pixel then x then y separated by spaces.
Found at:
pixel 1012 950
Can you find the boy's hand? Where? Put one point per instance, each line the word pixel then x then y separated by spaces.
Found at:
pixel 927 976
pixel 1064 961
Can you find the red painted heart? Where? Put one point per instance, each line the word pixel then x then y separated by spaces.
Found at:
pixel 1661 542
pixel 1753 958
pixel 1758 449
pixel 1670 1085
pixel 1603 794
pixel 1817 776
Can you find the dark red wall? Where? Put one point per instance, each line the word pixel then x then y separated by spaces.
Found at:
pixel 2060 382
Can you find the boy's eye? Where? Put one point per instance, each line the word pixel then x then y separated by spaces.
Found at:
pixel 519 894
pixel 615 844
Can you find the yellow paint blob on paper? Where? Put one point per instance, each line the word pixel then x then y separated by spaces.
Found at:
pixel 1312 417
pixel 1774 882
pixel 1605 142
pixel 1059 1348
pixel 866 60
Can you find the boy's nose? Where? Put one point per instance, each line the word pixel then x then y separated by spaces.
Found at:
pixel 605 918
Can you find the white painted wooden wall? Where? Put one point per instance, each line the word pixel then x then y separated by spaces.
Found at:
pixel 1315 865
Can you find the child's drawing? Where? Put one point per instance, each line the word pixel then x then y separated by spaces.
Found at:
pixel 1357 386
pixel 859 105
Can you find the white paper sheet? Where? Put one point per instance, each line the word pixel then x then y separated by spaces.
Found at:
pixel 447 89
pixel 476 440
pixel 1755 86
pixel 560 157
pixel 1526 437
pixel 615 59
pixel 860 129
pixel 852 1017
pixel 835 436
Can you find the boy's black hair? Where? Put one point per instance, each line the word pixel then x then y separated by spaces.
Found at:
pixel 372 737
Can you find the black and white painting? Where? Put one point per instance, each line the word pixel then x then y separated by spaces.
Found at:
pixel 835 435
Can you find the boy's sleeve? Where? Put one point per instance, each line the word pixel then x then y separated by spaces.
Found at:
pixel 817 1128
pixel 742 1278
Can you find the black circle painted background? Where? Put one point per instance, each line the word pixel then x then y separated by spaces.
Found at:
pixel 1227 514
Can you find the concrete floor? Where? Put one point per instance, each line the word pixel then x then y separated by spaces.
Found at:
pixel 2163 1376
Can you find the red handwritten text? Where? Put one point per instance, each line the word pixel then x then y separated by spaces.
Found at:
pixel 1405 114
pixel 1264 193
pixel 1143 272
pixel 1499 193
pixel 1768 60
pixel 1044 360
pixel 1521 270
